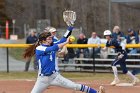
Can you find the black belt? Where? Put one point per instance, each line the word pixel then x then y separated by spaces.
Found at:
pixel 47 74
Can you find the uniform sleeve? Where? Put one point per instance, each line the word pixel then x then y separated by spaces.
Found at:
pixel 52 48
pixel 44 50
pixel 61 40
pixel 113 42
pixel 68 32
pixel 66 35
pixel 107 44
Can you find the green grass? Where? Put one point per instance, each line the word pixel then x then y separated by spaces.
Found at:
pixel 71 75
pixel 87 76
pixel 17 75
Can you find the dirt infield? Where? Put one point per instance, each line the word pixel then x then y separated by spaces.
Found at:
pixel 25 86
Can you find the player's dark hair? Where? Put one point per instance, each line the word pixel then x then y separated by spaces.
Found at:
pixel 30 51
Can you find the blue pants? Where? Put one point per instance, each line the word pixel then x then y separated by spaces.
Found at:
pixel 121 62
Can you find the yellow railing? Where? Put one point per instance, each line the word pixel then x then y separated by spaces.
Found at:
pixel 14 45
pixel 101 45
pixel 68 45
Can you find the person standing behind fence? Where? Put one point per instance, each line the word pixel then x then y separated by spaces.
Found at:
pixel 31 39
pixel 94 40
pixel 120 58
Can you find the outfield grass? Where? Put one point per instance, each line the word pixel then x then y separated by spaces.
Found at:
pixel 84 75
pixel 17 75
pixel 71 75
pixel 74 75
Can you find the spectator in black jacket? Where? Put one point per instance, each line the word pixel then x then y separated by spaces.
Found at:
pixel 31 39
pixel 82 40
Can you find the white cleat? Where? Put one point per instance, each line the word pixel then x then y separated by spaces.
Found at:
pixel 135 81
pixel 115 81
pixel 101 89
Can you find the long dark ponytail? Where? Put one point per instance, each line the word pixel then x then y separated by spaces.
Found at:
pixel 30 51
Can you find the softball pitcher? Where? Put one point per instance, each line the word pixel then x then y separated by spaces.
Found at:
pixel 120 59
pixel 45 52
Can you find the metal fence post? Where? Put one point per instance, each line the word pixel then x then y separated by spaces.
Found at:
pixel 93 56
pixel 7 51
pixel 109 14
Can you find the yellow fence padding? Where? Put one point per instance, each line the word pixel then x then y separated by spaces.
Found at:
pixel 68 45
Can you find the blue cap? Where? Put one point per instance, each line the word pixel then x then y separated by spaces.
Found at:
pixel 129 30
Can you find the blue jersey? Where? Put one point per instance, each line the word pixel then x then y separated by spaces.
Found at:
pixel 113 42
pixel 46 56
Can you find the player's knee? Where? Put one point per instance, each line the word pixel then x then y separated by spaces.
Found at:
pixel 78 87
pixel 75 86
